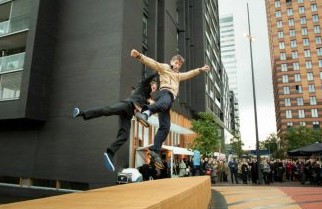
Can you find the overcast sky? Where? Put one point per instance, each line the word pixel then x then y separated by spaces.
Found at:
pixel 262 69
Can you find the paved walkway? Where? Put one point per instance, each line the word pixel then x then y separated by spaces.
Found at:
pixel 280 196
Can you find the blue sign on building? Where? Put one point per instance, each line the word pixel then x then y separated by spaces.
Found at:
pixel 261 152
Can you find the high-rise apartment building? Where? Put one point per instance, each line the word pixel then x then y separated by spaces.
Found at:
pixel 228 50
pixel 229 60
pixel 59 54
pixel 294 28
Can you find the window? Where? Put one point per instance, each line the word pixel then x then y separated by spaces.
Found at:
pixel 307 53
pixel 283 56
pixel 308 64
pixel 293 43
pixel 279 24
pixel 318 40
pixel 312 100
pixel 291 22
pixel 316 29
pixel 301 10
pixel 289 124
pixel 296 66
pixel 315 18
pixel 299 101
pixel 292 32
pixel 286 90
pixel 288 1
pixel 285 78
pixel 306 42
pixel 281 45
pixel 303 20
pixel 297 77
pixel 301 114
pixel 295 55
pixel 278 14
pixel 316 124
pixel 309 76
pixel 288 113
pixel 284 67
pixel 300 1
pixel 287 102
pixel 314 113
pixel 302 123
pixel 314 8
pixel 319 51
pixel 289 12
pixel 280 34
pixel 10 85
pixel 320 63
pixel 298 89
pixel 304 31
pixel 321 75
pixel 311 88
pixel 277 4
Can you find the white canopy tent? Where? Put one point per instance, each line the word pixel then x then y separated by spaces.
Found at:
pixel 141 154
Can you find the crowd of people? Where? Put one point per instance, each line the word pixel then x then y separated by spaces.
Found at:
pixel 246 171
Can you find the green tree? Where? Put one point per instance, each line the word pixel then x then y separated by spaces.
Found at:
pixel 296 137
pixel 270 144
pixel 236 146
pixel 206 128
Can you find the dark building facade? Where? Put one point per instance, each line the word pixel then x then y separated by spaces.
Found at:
pixel 59 54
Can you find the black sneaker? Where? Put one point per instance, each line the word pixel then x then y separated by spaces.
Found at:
pixel 142 118
pixel 77 112
pixel 155 158
pixel 108 162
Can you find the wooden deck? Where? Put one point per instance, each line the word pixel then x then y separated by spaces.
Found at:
pixel 174 193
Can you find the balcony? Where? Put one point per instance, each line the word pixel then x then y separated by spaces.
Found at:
pixel 10 76
pixel 14 17
pixel 4 27
pixel 12 63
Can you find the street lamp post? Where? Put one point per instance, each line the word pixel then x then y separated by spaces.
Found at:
pixel 249 36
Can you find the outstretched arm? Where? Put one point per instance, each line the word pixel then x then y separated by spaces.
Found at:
pixel 192 73
pixel 149 62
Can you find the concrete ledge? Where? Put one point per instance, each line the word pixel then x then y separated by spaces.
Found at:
pixel 174 193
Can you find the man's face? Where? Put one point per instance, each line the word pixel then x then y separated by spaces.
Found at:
pixel 154 87
pixel 176 64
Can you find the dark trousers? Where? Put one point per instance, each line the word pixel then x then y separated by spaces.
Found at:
pixel 125 110
pixel 162 107
pixel 233 174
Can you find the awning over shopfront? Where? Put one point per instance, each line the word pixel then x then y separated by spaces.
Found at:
pixel 312 149
pixel 175 150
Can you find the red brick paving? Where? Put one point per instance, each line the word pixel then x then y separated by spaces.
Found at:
pixel 305 197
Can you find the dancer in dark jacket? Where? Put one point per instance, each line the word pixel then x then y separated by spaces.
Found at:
pixel 125 109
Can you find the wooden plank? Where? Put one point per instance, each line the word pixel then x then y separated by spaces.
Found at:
pixel 179 193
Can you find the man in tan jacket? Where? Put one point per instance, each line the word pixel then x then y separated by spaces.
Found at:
pixel 170 78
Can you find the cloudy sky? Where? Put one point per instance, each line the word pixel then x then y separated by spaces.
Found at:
pixel 262 69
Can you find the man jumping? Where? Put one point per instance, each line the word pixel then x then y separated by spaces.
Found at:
pixel 170 78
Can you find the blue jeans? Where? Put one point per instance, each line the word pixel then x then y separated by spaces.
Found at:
pixel 162 107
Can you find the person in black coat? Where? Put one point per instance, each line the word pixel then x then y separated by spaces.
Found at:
pixel 125 109
pixel 245 170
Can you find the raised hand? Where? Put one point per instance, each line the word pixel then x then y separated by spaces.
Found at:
pixel 134 53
